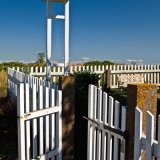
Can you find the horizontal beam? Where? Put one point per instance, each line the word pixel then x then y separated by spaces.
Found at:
pixel 57 17
pixel 40 113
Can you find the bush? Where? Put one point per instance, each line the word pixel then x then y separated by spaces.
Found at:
pixel 82 81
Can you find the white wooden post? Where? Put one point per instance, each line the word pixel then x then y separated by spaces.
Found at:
pixel 66 44
pixel 48 40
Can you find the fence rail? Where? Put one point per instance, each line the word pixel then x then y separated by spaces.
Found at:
pixel 105 138
pixel 151 72
pixel 146 142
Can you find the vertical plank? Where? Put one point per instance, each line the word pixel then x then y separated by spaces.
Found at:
pixel 94 128
pixel 28 144
pixel 40 106
pixel 52 121
pixel 104 122
pixel 110 120
pixel 149 135
pixel 34 107
pixel 116 125
pixel 123 128
pixel 158 148
pixel 46 120
pixel 59 126
pixel 90 115
pixel 99 120
pixel 138 134
pixel 20 113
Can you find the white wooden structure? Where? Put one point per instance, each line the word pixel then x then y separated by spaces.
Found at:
pixel 102 132
pixel 15 77
pixel 39 114
pixel 146 142
pixel 49 35
pixel 151 72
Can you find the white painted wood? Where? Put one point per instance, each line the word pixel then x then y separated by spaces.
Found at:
pixel 40 106
pixel 158 147
pixel 104 137
pixel 123 128
pixel 34 121
pixel 90 115
pixel 110 123
pixel 99 120
pixel 66 43
pixel 138 134
pixel 149 135
pixel 52 122
pixel 48 40
pixel 46 120
pixel 27 109
pixel 105 106
pixel 20 113
pixel 116 125
pixel 59 127
pixel 31 109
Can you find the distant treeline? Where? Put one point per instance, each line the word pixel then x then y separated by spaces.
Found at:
pixel 98 63
pixel 4 66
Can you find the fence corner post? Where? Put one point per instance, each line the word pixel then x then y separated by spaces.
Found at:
pixel 108 79
pixel 143 96
pixel 67 86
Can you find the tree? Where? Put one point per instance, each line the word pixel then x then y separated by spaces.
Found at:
pixel 40 58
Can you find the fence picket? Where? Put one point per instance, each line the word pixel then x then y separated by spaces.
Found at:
pixel 138 134
pixel 158 147
pixel 34 121
pixel 20 113
pixel 99 120
pixel 52 121
pixel 123 128
pixel 110 123
pixel 149 135
pixel 116 125
pixel 104 136
pixel 40 106
pixel 90 112
pixel 27 109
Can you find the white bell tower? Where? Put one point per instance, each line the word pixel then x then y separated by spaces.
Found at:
pixel 49 35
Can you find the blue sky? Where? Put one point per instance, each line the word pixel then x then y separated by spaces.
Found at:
pixel 99 30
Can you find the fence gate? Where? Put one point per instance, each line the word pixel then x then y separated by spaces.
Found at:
pixel 39 114
pixel 106 126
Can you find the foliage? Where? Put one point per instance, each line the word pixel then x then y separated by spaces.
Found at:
pixel 40 58
pixel 4 66
pixel 82 80
pixel 98 63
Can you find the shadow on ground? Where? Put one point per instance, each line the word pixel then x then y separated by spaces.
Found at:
pixel 8 130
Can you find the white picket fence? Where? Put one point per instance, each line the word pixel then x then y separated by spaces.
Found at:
pixel 146 142
pixel 39 114
pixel 151 72
pixel 15 77
pixel 105 138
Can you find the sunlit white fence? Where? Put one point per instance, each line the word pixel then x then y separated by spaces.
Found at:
pixel 146 142
pixel 15 77
pixel 105 138
pixel 151 72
